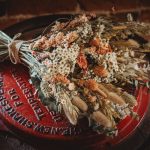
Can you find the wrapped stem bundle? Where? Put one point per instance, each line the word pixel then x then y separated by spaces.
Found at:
pixel 79 66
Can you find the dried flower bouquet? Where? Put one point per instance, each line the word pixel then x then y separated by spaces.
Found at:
pixel 80 67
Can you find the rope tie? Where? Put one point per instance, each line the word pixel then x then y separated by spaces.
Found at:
pixel 13 49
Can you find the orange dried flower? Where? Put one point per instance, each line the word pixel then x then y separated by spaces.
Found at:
pixel 61 78
pixel 103 51
pixel 72 36
pixel 91 84
pixel 91 98
pixel 91 49
pixel 95 42
pixel 100 71
pixel 94 86
pixel 80 82
pixel 81 61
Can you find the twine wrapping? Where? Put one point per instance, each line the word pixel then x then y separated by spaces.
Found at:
pixel 13 49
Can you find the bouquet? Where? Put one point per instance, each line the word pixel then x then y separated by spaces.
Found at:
pixel 80 67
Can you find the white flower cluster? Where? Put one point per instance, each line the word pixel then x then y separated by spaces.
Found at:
pixel 121 109
pixel 85 31
pixel 100 28
pixel 62 60
pixel 109 61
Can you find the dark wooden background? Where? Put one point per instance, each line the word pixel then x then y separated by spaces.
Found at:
pixel 16 11
pixel 13 11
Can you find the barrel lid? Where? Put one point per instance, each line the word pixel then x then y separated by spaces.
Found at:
pixel 23 112
pixel 25 115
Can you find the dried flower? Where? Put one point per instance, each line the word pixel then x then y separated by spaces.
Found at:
pixel 81 61
pixel 100 71
pixel 108 51
pixel 60 78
